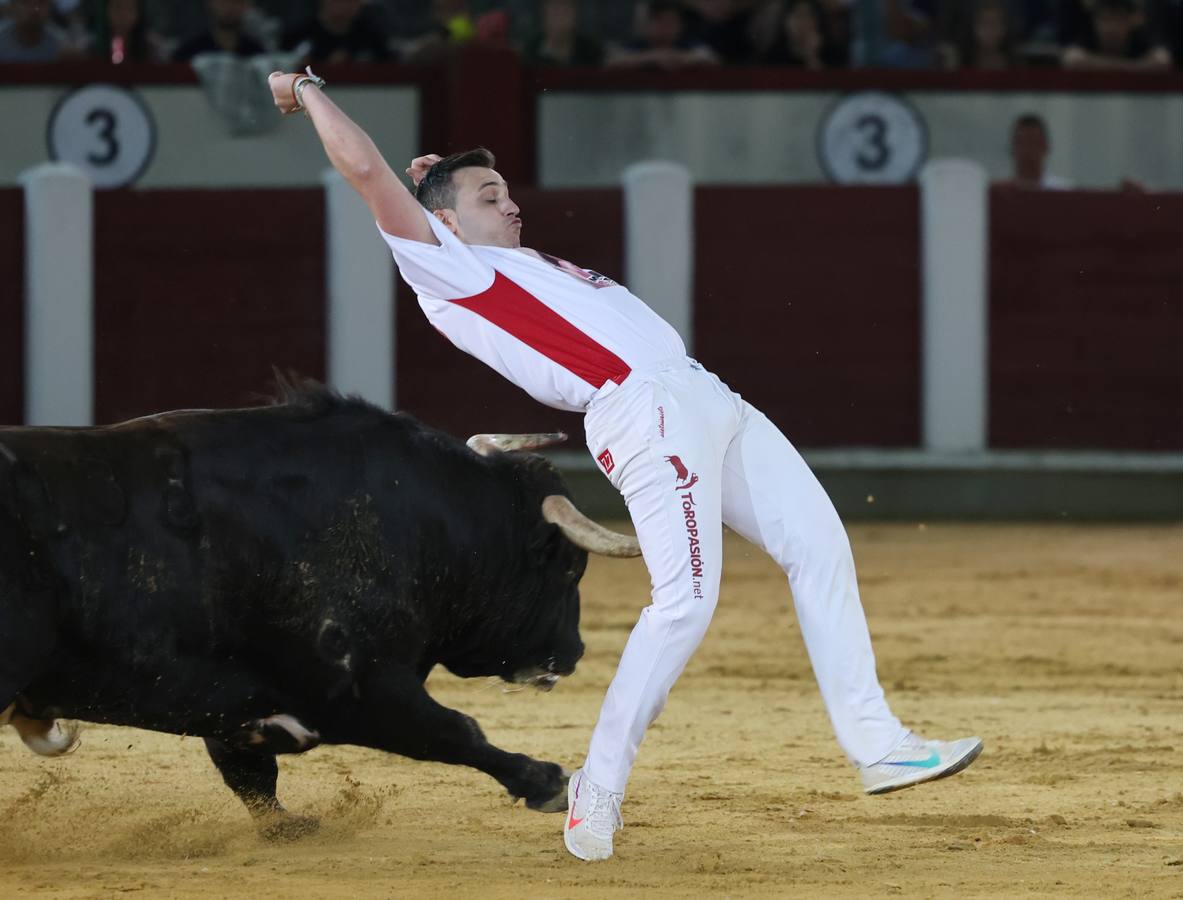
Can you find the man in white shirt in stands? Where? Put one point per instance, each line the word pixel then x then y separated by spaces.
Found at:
pixel 687 454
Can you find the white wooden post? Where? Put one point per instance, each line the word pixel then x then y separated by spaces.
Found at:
pixel 59 296
pixel 659 241
pixel 954 239
pixel 360 285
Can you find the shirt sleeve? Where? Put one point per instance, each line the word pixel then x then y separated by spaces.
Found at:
pixel 447 271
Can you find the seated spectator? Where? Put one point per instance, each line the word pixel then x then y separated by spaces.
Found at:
pixel 225 32
pixel 800 42
pixel 1029 147
pixel 27 35
pixel 896 34
pixel 1165 19
pixel 664 42
pixel 343 31
pixel 726 27
pixel 1110 35
pixel 452 25
pixel 121 34
pixel 989 40
pixel 561 43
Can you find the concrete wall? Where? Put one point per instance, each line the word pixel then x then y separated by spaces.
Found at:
pixel 194 147
pixel 753 137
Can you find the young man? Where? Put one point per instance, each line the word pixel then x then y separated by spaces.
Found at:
pixel 687 454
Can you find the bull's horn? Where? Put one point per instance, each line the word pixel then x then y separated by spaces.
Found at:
pixel 583 532
pixel 486 444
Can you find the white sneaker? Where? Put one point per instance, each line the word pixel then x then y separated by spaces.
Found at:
pixel 593 816
pixel 916 760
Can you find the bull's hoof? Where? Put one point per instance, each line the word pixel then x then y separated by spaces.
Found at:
pixel 282 828
pixel 557 802
pixel 277 734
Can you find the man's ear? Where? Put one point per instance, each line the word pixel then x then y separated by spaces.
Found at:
pixel 448 217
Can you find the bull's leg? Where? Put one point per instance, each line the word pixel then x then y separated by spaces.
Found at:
pixel 252 775
pixel 401 717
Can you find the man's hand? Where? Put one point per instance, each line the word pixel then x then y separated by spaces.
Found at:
pixel 281 90
pixel 419 166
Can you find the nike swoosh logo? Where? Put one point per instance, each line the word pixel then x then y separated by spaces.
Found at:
pixel 934 759
pixel 572 821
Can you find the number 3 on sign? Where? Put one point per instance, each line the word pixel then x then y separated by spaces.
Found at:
pixel 106 131
pixel 872 138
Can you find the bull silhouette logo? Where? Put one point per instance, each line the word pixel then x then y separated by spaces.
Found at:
pixel 686 478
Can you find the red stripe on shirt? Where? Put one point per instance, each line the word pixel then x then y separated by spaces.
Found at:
pixel 519 313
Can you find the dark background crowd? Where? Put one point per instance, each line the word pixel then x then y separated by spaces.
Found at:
pixel 1140 35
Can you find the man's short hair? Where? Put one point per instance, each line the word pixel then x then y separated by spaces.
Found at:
pixel 1031 120
pixel 437 190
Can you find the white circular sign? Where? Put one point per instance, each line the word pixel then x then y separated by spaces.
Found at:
pixel 106 131
pixel 871 137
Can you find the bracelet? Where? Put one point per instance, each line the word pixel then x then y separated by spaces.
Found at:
pixel 299 83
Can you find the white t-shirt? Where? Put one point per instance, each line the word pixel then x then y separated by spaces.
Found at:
pixel 559 332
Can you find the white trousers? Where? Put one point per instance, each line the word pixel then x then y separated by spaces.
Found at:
pixel 688 454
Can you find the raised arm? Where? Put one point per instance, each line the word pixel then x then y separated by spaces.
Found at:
pixel 355 156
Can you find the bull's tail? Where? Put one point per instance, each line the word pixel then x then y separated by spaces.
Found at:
pixel 45 737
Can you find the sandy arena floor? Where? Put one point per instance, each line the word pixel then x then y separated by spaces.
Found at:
pixel 1062 647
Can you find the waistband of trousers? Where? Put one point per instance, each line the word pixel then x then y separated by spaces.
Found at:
pixel 643 373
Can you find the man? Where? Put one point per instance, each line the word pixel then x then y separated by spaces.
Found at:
pixel 1029 147
pixel 226 32
pixel 687 454
pixel 1109 34
pixel 28 36
pixel 343 31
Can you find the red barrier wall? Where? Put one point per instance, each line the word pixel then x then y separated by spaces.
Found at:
pixel 12 296
pixel 1086 320
pixel 808 304
pixel 199 293
pixel 451 390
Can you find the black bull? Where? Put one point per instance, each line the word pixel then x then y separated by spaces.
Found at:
pixel 277 577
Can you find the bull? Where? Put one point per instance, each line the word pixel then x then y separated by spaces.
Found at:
pixel 283 576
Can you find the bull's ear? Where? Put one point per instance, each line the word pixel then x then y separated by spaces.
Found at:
pixel 543 540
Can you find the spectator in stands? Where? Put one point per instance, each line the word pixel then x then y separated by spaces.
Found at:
pixel 1029 148
pixel 224 33
pixel 121 34
pixel 1110 35
pixel 726 27
pixel 664 43
pixel 452 25
pixel 898 34
pixel 987 40
pixel 343 31
pixel 27 36
pixel 561 43
pixel 800 41
pixel 1165 19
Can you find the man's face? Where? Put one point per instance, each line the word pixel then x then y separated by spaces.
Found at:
pixel 122 15
pixel 27 14
pixel 558 17
pixel 1028 147
pixel 228 13
pixel 340 13
pixel 989 28
pixel 1114 27
pixel 801 25
pixel 664 28
pixel 484 214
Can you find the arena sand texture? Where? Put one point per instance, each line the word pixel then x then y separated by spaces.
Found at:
pixel 1061 646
